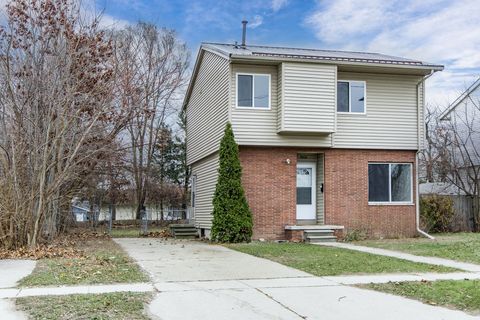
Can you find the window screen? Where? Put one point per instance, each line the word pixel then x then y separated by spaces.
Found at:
pixel 401 182
pixel 261 89
pixel 357 96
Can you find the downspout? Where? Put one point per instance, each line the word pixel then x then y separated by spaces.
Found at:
pixel 417 191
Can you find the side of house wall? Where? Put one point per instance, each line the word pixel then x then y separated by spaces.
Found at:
pixel 207 110
pixel 206 173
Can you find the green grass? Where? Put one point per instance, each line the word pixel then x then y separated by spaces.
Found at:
pixel 104 262
pixel 456 246
pixel 120 305
pixel 461 294
pixel 131 232
pixel 327 261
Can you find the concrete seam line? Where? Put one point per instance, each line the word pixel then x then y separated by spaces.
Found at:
pixel 281 304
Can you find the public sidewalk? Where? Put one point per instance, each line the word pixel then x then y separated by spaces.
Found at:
pixel 470 267
pixel 219 283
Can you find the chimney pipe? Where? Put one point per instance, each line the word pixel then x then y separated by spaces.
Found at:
pixel 244 32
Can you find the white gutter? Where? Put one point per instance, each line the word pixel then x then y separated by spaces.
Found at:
pixel 419 122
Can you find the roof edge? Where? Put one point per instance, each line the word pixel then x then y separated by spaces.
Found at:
pixel 443 116
pixel 203 48
pixel 434 67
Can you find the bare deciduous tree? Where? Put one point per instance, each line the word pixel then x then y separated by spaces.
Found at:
pixel 454 151
pixel 151 67
pixel 57 119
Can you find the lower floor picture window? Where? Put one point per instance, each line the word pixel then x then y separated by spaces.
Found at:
pixel 389 182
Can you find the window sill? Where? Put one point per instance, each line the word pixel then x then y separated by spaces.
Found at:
pixel 391 204
pixel 351 113
pixel 253 108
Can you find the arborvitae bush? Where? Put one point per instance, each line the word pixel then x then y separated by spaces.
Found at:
pixel 436 213
pixel 232 219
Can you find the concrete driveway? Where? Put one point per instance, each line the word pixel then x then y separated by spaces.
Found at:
pixel 11 271
pixel 197 280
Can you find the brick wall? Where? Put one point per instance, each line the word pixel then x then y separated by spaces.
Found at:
pixel 346 194
pixel 270 188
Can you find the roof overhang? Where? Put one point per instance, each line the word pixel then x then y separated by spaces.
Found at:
pixel 344 65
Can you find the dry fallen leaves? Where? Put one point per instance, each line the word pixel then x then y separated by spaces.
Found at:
pixel 41 251
pixel 159 234
pixel 63 246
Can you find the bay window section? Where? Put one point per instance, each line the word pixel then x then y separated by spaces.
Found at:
pixel 390 183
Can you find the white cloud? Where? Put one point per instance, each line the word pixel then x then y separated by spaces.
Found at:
pixel 438 31
pixel 256 22
pixel 110 22
pixel 278 4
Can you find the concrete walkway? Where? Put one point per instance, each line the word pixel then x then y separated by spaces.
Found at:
pixel 201 281
pixel 177 260
pixel 66 290
pixel 406 256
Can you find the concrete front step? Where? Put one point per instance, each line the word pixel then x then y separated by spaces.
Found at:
pixel 315 236
pixel 184 231
pixel 317 239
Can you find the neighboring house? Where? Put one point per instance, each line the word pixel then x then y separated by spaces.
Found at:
pixel 327 139
pixel 464 116
pixel 81 211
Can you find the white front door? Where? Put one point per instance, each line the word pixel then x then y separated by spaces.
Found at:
pixel 306 190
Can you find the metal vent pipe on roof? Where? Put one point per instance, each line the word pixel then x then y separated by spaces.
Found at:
pixel 244 32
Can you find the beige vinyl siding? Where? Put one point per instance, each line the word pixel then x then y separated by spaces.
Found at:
pixel 280 94
pixel 308 98
pixel 391 117
pixel 207 110
pixel 320 198
pixel 206 172
pixel 421 120
pixel 259 127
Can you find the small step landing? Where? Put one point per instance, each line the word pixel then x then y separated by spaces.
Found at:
pixel 317 233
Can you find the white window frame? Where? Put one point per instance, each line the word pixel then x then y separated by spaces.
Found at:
pixel 350 98
pixel 390 202
pixel 253 90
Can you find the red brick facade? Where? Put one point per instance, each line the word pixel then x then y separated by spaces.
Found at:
pixel 270 186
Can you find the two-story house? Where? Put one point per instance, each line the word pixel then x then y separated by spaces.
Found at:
pixel 327 139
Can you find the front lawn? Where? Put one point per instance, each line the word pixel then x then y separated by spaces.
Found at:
pixel 103 261
pixel 328 261
pixel 456 246
pixel 463 295
pixel 120 305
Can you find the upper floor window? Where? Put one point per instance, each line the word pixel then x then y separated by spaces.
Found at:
pixel 253 91
pixel 351 96
pixel 390 182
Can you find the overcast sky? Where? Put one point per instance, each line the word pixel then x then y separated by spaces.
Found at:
pixel 437 31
